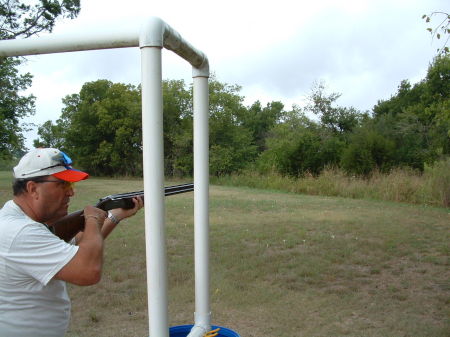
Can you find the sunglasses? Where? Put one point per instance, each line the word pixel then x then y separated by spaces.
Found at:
pixel 66 185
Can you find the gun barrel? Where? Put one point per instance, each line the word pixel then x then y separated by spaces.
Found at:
pixel 124 200
pixel 170 190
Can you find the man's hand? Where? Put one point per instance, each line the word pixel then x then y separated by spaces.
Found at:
pixel 121 213
pixel 95 213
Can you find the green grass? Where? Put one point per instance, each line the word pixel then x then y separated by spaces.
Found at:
pixel 282 265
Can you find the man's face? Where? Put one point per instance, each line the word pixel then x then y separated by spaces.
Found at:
pixel 53 198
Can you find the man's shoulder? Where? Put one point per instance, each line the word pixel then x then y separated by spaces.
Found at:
pixel 13 221
pixel 7 206
pixel 11 212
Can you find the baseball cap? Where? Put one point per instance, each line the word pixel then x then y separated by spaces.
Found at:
pixel 47 161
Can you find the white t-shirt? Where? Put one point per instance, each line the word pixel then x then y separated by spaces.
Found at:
pixel 32 303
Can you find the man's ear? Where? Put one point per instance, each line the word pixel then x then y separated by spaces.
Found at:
pixel 32 189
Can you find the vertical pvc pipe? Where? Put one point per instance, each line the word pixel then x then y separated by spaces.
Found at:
pixel 201 202
pixel 153 158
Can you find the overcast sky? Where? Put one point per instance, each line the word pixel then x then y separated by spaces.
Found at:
pixel 275 50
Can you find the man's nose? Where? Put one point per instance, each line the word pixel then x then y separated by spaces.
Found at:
pixel 70 189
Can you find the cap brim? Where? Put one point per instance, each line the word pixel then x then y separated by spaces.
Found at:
pixel 71 175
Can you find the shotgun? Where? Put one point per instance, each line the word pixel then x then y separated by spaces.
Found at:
pixel 68 226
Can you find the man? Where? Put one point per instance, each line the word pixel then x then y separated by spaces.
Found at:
pixel 34 263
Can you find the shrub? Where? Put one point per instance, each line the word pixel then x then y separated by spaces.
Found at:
pixel 368 151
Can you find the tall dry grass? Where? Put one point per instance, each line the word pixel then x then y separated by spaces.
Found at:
pixel 432 187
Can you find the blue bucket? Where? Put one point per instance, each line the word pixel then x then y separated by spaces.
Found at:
pixel 183 331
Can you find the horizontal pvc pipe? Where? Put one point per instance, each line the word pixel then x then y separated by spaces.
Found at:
pixel 67 43
pixel 154 32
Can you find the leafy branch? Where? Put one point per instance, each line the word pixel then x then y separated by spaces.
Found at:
pixel 440 30
pixel 32 17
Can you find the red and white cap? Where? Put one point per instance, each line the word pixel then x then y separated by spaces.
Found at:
pixel 47 161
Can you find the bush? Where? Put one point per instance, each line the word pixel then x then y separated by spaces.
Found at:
pixel 368 151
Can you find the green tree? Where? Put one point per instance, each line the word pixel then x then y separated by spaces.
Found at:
pixel 177 121
pixel 259 121
pixel 103 128
pixel 22 19
pixel 298 145
pixel 426 106
pixel 406 96
pixel 183 144
pixel 13 107
pixel 102 124
pixel 411 139
pixel 52 135
pixel 231 144
pixel 336 118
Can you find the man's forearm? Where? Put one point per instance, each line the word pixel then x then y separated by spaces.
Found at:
pixel 91 249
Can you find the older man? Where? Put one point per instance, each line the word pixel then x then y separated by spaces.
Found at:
pixel 34 263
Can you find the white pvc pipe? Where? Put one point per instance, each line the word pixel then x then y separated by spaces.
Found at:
pixel 154 32
pixel 155 238
pixel 201 206
pixel 68 43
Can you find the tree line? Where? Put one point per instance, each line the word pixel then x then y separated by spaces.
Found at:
pixel 101 127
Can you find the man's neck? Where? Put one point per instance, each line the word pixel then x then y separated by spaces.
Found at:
pixel 26 207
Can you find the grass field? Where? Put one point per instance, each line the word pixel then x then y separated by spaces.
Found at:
pixel 282 265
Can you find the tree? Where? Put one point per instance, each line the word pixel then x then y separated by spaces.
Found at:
pixel 22 19
pixel 425 106
pixel 52 135
pixel 297 145
pixel 103 128
pixel 177 126
pixel 231 144
pixel 259 121
pixel 338 119
pixel 13 107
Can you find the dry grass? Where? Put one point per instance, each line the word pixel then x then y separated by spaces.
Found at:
pixel 401 185
pixel 282 265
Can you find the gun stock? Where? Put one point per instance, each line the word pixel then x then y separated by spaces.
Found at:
pixel 70 225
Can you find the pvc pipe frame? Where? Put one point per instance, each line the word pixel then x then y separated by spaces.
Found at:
pixel 155 34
